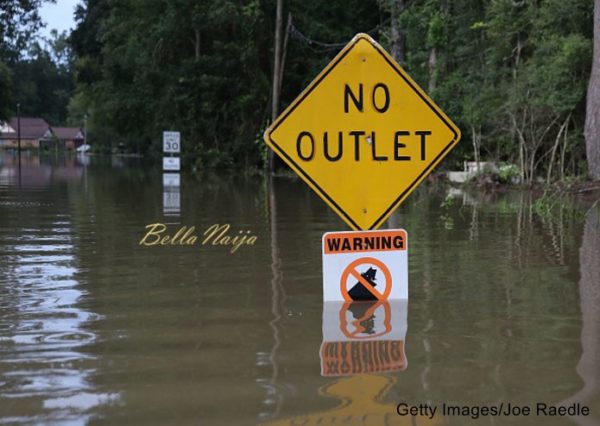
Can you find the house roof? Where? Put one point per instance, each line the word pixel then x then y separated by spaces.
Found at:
pixel 67 133
pixel 31 128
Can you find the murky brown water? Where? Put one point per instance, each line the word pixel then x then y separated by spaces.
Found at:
pixel 504 304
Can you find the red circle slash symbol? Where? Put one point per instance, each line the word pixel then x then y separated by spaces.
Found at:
pixel 364 287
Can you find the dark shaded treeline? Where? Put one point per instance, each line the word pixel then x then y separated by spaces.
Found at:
pixel 203 69
pixel 512 74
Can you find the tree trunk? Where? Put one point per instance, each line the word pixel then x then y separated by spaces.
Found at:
pixel 397 36
pixel 476 137
pixel 592 119
pixel 563 128
pixel 432 63
pixel 197 45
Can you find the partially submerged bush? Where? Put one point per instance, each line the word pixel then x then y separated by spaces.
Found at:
pixel 508 173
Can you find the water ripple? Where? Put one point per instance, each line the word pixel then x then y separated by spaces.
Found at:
pixel 43 330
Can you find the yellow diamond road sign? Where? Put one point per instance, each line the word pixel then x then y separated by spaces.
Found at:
pixel 363 135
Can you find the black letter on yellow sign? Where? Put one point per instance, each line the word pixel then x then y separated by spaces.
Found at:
pixel 358 100
pixel 398 145
pixel 299 148
pixel 358 103
pixel 386 105
pixel 357 134
pixel 326 147
pixel 373 148
pixel 423 134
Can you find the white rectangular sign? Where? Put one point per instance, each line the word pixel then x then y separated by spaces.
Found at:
pixel 171 180
pixel 171 163
pixel 365 265
pixel 171 142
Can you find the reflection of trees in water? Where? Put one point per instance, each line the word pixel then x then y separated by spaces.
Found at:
pixel 589 290
pixel 493 294
pixel 548 234
pixel 537 225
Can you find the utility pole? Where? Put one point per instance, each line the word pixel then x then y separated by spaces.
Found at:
pixel 276 72
pixel 85 117
pixel 19 132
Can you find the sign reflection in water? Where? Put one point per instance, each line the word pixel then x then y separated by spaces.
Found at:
pixel 363 337
pixel 171 194
pixel 361 340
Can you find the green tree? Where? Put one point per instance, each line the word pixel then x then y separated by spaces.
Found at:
pixel 512 74
pixel 19 21
pixel 4 92
pixel 203 69
pixel 42 86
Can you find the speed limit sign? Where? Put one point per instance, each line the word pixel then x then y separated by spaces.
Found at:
pixel 171 142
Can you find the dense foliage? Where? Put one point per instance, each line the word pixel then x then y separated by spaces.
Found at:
pixel 512 73
pixel 204 70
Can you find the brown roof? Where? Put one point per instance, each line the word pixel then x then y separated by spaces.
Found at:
pixel 67 133
pixel 31 128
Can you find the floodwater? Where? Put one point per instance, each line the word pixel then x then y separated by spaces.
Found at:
pixel 504 304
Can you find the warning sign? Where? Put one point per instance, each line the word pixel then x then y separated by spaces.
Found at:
pixel 365 119
pixel 365 265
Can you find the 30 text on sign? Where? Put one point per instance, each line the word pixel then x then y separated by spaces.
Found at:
pixel 171 142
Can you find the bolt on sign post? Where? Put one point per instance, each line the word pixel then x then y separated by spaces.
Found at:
pixel 362 135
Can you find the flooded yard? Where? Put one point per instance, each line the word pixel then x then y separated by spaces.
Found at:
pixel 504 303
